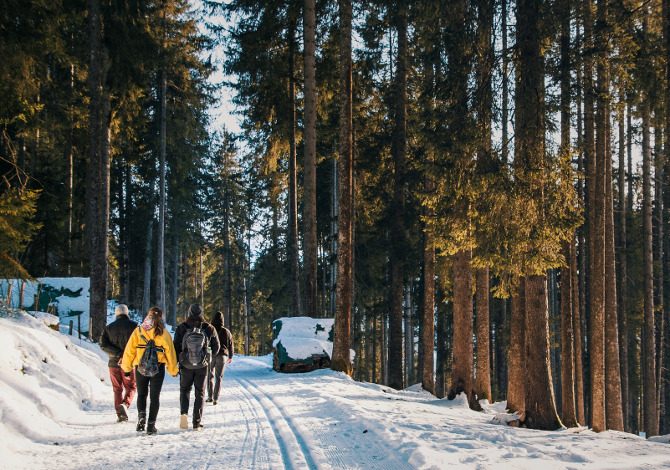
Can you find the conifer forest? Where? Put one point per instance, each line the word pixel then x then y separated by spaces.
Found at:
pixel 478 191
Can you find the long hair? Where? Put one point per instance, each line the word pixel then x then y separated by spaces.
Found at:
pixel 156 315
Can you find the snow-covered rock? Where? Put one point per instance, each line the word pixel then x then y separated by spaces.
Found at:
pixel 302 343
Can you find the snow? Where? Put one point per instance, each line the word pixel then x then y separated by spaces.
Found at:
pixel 56 412
pixel 65 305
pixel 303 337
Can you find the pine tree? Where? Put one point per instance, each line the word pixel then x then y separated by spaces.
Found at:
pixel 98 170
pixel 398 229
pixel 540 409
pixel 568 407
pixel 309 216
pixel 342 329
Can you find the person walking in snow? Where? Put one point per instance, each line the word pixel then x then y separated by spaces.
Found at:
pixel 113 341
pixel 219 362
pixel 196 343
pixel 149 352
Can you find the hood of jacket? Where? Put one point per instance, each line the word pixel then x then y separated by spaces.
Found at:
pixel 218 319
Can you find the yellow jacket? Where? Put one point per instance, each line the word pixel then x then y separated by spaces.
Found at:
pixel 131 355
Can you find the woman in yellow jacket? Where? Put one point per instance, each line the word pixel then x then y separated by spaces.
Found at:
pixel 152 328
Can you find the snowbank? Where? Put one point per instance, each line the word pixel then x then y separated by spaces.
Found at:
pixel 46 381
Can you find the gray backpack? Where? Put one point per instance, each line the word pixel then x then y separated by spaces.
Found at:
pixel 195 349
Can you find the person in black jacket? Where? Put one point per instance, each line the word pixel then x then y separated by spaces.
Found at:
pixel 225 356
pixel 194 374
pixel 113 341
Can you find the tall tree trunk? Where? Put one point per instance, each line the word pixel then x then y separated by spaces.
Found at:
pixel 398 242
pixel 577 331
pixel 649 353
pixel 590 163
pixel 540 406
pixel 172 315
pixel 441 349
pixel 622 271
pixel 666 375
pixel 633 343
pixel 613 404
pixel 309 215
pixel 516 360
pixel 505 85
pixel 162 204
pixel 293 177
pixel 342 329
pixel 70 174
pixel 462 379
pixel 146 295
pixel 97 190
pixel 581 261
pixel 409 336
pixel 568 407
pixel 596 217
pixel 659 257
pixel 428 314
pixel 486 165
pixel 612 377
pixel 227 255
pixel 483 376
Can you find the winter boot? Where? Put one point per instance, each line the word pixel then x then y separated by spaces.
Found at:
pixel 151 428
pixel 141 421
pixel 215 402
pixel 209 400
pixel 197 427
pixel 121 413
pixel 183 422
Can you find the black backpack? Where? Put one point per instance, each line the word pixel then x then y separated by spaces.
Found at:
pixel 149 365
pixel 195 349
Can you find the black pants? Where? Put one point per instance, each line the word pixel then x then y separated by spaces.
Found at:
pixel 192 378
pixel 215 376
pixel 146 385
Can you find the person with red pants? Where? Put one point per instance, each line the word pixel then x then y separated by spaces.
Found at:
pixel 113 341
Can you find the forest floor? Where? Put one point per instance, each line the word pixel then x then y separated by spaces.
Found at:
pixel 266 420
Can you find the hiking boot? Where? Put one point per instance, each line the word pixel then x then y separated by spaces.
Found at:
pixel 197 427
pixel 151 428
pixel 209 400
pixel 122 413
pixel 141 422
pixel 183 422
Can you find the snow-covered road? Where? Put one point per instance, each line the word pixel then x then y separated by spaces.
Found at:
pixel 56 413
pixel 250 428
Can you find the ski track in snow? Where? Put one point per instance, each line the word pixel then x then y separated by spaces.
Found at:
pixel 322 420
pixel 250 428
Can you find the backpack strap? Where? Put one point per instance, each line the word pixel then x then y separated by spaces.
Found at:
pixel 146 342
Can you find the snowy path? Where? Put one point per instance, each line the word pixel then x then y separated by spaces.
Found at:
pixel 265 420
pixel 250 428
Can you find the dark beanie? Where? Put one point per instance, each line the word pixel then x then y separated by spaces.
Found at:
pixel 194 311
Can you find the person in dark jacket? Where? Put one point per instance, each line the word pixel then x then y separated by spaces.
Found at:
pixel 113 341
pixel 193 375
pixel 225 356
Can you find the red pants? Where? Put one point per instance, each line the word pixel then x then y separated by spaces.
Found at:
pixel 124 387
